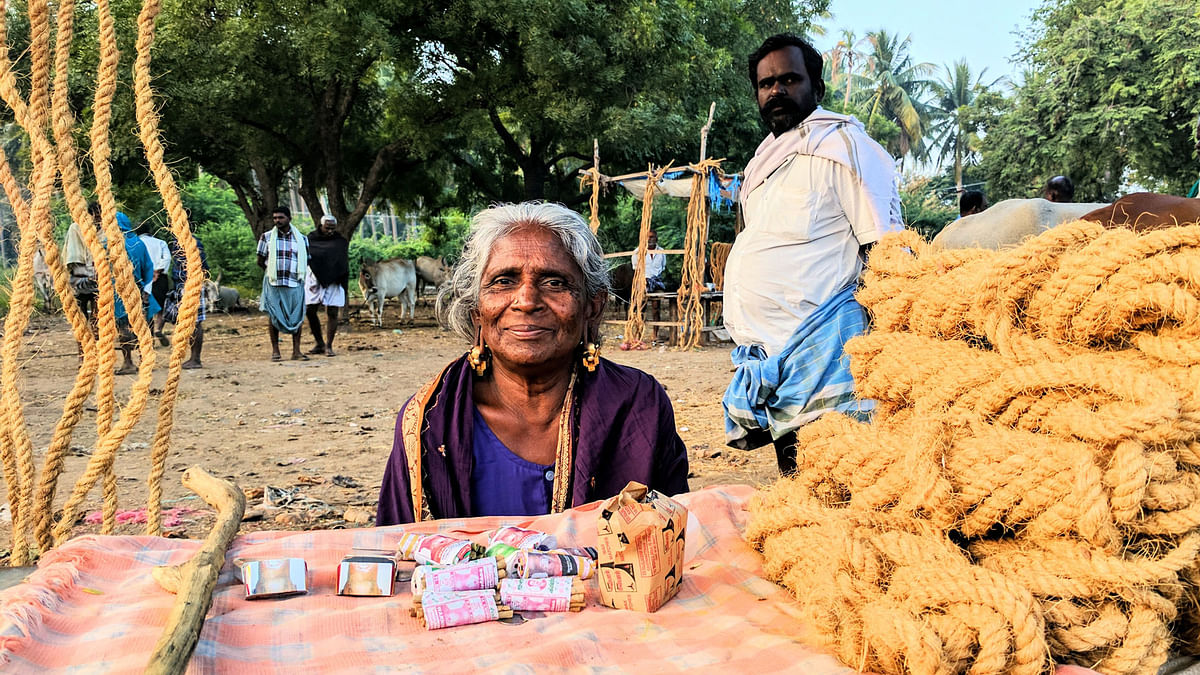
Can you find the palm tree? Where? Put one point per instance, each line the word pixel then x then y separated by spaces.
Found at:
pixel 896 84
pixel 954 94
pixel 845 54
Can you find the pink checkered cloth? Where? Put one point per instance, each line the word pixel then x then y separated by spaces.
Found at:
pixel 93 606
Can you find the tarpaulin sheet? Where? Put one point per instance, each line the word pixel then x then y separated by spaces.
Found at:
pixel 92 606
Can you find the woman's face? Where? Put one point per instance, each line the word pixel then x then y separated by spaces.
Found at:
pixel 532 308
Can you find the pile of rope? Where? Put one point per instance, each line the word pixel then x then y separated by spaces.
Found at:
pixel 1029 488
pixel 45 116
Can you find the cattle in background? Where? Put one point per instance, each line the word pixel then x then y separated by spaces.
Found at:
pixel 1142 211
pixel 396 278
pixel 620 282
pixel 218 297
pixel 430 271
pixel 43 283
pixel 1008 222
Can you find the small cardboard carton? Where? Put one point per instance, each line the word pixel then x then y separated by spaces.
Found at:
pixel 274 578
pixel 369 575
pixel 640 546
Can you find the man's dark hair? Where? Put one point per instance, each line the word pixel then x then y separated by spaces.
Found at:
pixel 282 209
pixel 971 201
pixel 93 208
pixel 813 62
pixel 1063 186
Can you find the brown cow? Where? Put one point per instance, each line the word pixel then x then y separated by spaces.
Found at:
pixel 1142 211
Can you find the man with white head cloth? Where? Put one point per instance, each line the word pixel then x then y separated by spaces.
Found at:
pixel 325 283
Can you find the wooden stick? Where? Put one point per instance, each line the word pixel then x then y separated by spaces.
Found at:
pixel 197 577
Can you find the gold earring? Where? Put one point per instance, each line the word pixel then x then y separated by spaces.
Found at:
pixel 591 357
pixel 478 356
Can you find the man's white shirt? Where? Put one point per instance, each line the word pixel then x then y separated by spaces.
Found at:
pixel 804 226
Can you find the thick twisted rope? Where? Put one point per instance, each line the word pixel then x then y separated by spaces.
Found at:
pixel 635 325
pixel 1040 407
pixel 691 285
pixel 101 462
pixel 20 455
pixel 190 303
pixel 592 176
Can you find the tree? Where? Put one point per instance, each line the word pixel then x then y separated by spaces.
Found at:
pixel 955 127
pixel 530 83
pixel 1109 98
pixel 259 90
pixel 896 84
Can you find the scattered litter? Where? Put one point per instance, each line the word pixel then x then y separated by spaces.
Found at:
pixel 397 331
pixel 170 518
pixel 345 481
pixel 684 429
pixel 357 514
pixel 291 460
pixel 318 380
pixel 310 480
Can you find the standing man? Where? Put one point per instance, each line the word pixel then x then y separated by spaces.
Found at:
pixel 1059 189
pixel 143 274
pixel 328 274
pixel 283 253
pixel 179 277
pixel 656 263
pixel 818 193
pixel 160 253
pixel 81 267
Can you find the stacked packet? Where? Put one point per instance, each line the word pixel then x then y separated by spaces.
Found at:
pixel 541 578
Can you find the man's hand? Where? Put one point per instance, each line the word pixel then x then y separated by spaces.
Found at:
pixel 262 261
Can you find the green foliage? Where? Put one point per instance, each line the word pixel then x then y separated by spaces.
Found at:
pixel 445 235
pixel 231 249
pixel 1109 96
pixel 923 211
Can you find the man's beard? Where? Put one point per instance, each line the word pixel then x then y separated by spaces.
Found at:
pixel 782 114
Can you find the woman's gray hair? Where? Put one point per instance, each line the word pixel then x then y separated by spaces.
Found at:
pixel 460 298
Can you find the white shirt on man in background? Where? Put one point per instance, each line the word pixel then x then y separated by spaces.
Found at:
pixel 656 263
pixel 805 225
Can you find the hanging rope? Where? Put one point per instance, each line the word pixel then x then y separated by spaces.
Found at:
pixel 718 256
pixel 189 308
pixel 691 286
pixel 635 325
pixel 33 525
pixel 593 177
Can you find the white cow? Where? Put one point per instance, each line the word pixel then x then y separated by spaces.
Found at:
pixel 396 278
pixel 1008 222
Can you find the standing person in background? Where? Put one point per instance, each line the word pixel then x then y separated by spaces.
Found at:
pixel 283 253
pixel 817 194
pixel 656 263
pixel 1059 189
pixel 160 254
pixel 143 274
pixel 179 276
pixel 81 267
pixel 325 284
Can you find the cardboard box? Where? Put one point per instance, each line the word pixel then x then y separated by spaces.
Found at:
pixel 275 578
pixel 366 575
pixel 641 535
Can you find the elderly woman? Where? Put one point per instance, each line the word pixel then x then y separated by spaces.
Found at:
pixel 531 420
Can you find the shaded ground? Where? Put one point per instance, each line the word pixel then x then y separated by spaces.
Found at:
pixel 321 430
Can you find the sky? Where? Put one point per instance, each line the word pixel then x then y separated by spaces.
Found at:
pixel 942 32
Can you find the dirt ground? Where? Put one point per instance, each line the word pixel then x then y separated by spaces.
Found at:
pixel 319 430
